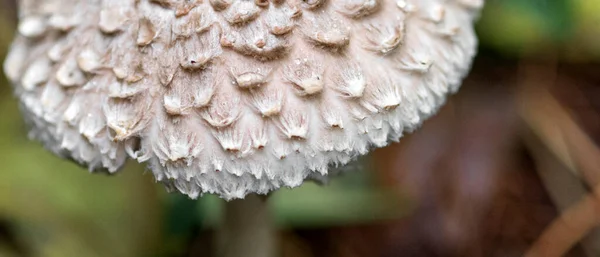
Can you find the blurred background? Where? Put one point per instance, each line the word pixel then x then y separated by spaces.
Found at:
pixel 510 166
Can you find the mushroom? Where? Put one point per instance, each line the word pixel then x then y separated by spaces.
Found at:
pixel 320 83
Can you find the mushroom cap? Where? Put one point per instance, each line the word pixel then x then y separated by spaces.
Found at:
pixel 234 96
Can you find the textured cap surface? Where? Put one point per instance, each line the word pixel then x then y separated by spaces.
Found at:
pixel 234 96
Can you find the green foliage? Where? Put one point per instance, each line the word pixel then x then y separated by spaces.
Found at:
pixel 556 16
pixel 348 199
pixel 518 27
pixel 62 210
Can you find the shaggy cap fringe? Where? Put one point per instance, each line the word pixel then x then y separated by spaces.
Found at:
pixel 233 97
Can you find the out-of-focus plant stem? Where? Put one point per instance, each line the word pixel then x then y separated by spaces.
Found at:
pixel 247 229
pixel 569 144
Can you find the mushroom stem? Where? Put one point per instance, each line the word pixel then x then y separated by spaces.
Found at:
pixel 247 229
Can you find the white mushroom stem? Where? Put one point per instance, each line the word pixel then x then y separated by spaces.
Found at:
pixel 247 229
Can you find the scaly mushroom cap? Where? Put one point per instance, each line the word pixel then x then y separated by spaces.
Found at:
pixel 234 96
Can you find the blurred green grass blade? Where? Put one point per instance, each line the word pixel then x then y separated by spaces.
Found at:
pixel 556 15
pixel 521 27
pixel 336 204
pixel 62 209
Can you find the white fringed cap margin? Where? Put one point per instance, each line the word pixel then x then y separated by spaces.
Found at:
pixel 233 97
